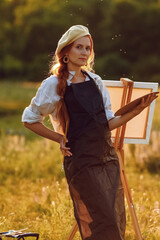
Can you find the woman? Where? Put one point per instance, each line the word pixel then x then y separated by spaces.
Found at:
pixel 79 104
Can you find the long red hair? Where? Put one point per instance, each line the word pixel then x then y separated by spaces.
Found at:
pixel 59 68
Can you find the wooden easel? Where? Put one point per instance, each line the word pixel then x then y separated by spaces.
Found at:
pixel 118 144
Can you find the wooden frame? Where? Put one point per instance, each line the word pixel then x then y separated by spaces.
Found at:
pixel 139 89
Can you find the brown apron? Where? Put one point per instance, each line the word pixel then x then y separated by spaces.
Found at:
pixel 93 172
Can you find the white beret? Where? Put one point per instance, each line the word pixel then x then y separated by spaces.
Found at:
pixel 72 34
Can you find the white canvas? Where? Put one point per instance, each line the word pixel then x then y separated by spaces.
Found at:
pixel 138 129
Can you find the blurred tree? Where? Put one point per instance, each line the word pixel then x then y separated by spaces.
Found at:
pixel 125 34
pixel 133 28
pixel 40 22
pixel 112 66
pixel 10 62
pixel 147 68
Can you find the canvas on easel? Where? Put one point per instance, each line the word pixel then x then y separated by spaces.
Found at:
pixel 134 133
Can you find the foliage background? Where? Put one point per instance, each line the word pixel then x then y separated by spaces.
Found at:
pixel 125 34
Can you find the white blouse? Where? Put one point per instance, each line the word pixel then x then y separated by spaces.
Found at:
pixel 45 101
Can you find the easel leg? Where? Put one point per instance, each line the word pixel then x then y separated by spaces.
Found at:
pixel 73 231
pixel 128 196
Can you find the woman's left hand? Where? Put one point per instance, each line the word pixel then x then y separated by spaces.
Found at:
pixel 145 102
pixel 120 120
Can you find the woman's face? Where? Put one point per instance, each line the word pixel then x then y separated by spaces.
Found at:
pixel 79 52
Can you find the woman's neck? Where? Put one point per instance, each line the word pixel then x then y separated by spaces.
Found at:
pixel 78 76
pixel 78 71
pixel 75 69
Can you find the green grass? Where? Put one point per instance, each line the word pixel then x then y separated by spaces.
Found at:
pixel 33 190
pixel 14 97
pixel 18 92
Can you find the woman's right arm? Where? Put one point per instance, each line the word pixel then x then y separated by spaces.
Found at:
pixel 43 131
pixel 43 104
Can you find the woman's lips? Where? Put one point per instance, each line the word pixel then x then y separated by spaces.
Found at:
pixel 83 59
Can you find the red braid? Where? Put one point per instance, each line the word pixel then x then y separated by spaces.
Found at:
pixel 62 74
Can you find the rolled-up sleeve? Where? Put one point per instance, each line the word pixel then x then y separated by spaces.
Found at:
pixel 106 98
pixel 44 102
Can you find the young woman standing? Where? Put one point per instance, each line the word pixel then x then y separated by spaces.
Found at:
pixel 79 103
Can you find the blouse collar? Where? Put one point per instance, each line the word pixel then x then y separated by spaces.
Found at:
pixel 71 74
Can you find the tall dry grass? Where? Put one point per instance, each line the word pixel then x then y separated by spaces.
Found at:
pixel 34 193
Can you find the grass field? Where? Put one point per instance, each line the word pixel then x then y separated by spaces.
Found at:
pixel 33 189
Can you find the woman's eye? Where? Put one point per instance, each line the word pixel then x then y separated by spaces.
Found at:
pixel 80 47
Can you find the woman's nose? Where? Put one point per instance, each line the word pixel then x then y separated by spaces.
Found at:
pixel 84 51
